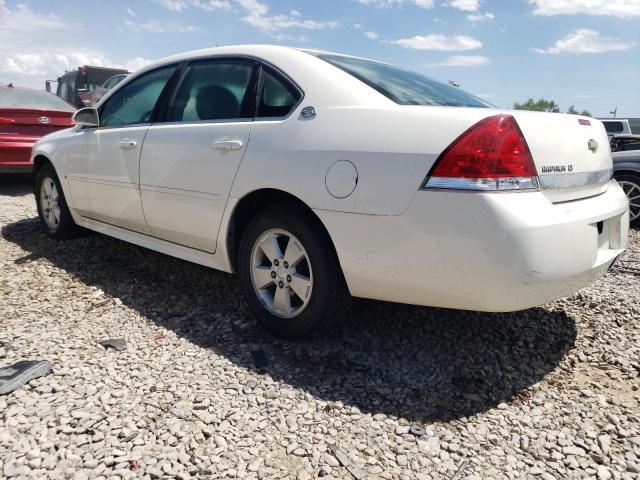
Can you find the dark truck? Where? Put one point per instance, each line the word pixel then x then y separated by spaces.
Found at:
pixel 77 85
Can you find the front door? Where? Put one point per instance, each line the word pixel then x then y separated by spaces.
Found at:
pixel 104 162
pixel 189 161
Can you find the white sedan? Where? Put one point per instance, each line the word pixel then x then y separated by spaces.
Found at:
pixel 316 175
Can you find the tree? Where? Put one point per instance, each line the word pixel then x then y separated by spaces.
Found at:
pixel 543 105
pixel 540 105
pixel 572 110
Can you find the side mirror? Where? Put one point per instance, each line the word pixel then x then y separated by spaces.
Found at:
pixel 86 117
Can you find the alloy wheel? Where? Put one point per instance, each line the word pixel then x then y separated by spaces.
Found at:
pixel 50 203
pixel 632 191
pixel 281 273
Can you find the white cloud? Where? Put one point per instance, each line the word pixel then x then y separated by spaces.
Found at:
pixel 257 15
pixel 438 42
pixel 464 5
pixel 617 8
pixel 397 3
pixel 212 4
pixel 463 61
pixel 424 3
pixel 173 5
pixel 479 17
pixel 50 65
pixel 22 20
pixel 136 63
pixel 358 26
pixel 586 41
pixel 130 12
pixel 371 35
pixel 182 5
pixel 27 56
pixel 159 26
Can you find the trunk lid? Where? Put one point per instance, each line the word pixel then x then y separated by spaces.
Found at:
pixel 571 153
pixel 32 123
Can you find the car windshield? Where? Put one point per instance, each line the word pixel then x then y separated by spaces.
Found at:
pixel 402 86
pixel 23 98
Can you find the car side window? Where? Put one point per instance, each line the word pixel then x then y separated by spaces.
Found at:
pixel 134 103
pixel 63 91
pixel 213 90
pixel 277 96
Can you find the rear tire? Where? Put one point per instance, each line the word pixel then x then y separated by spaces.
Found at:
pixel 290 273
pixel 53 211
pixel 630 183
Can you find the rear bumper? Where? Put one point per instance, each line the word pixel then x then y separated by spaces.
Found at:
pixel 15 155
pixel 481 251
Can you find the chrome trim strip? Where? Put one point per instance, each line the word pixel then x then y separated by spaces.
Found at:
pixel 180 192
pixel 109 183
pixel 483 184
pixel 575 180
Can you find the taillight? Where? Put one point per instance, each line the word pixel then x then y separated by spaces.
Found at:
pixel 6 121
pixel 491 155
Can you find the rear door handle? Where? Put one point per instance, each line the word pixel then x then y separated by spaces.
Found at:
pixel 227 145
pixel 126 143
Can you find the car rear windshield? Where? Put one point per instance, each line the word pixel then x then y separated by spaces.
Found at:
pixel 22 98
pixel 613 127
pixel 402 86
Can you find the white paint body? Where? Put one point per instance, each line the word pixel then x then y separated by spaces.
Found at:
pixel 359 165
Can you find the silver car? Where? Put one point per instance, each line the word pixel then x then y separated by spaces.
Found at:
pixel 626 170
pixel 106 86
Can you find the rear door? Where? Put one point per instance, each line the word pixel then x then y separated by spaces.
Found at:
pixel 103 163
pixel 190 159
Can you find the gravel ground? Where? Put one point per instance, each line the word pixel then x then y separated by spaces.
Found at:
pixel 397 392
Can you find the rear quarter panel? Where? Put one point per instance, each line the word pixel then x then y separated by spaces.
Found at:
pixel 392 149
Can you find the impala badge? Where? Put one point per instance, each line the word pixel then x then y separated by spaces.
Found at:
pixel 44 119
pixel 593 145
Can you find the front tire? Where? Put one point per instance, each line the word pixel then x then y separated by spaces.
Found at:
pixel 290 273
pixel 52 206
pixel 630 183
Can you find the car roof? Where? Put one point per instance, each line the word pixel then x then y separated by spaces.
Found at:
pixel 250 50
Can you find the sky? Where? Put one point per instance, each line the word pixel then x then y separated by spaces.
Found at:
pixel 584 53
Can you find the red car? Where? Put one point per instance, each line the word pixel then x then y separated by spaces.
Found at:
pixel 26 115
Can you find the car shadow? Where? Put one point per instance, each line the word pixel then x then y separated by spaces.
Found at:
pixel 13 185
pixel 422 364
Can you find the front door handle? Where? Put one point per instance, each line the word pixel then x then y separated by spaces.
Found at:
pixel 126 143
pixel 227 145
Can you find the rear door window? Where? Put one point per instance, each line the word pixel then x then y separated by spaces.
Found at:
pixel 277 96
pixel 214 90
